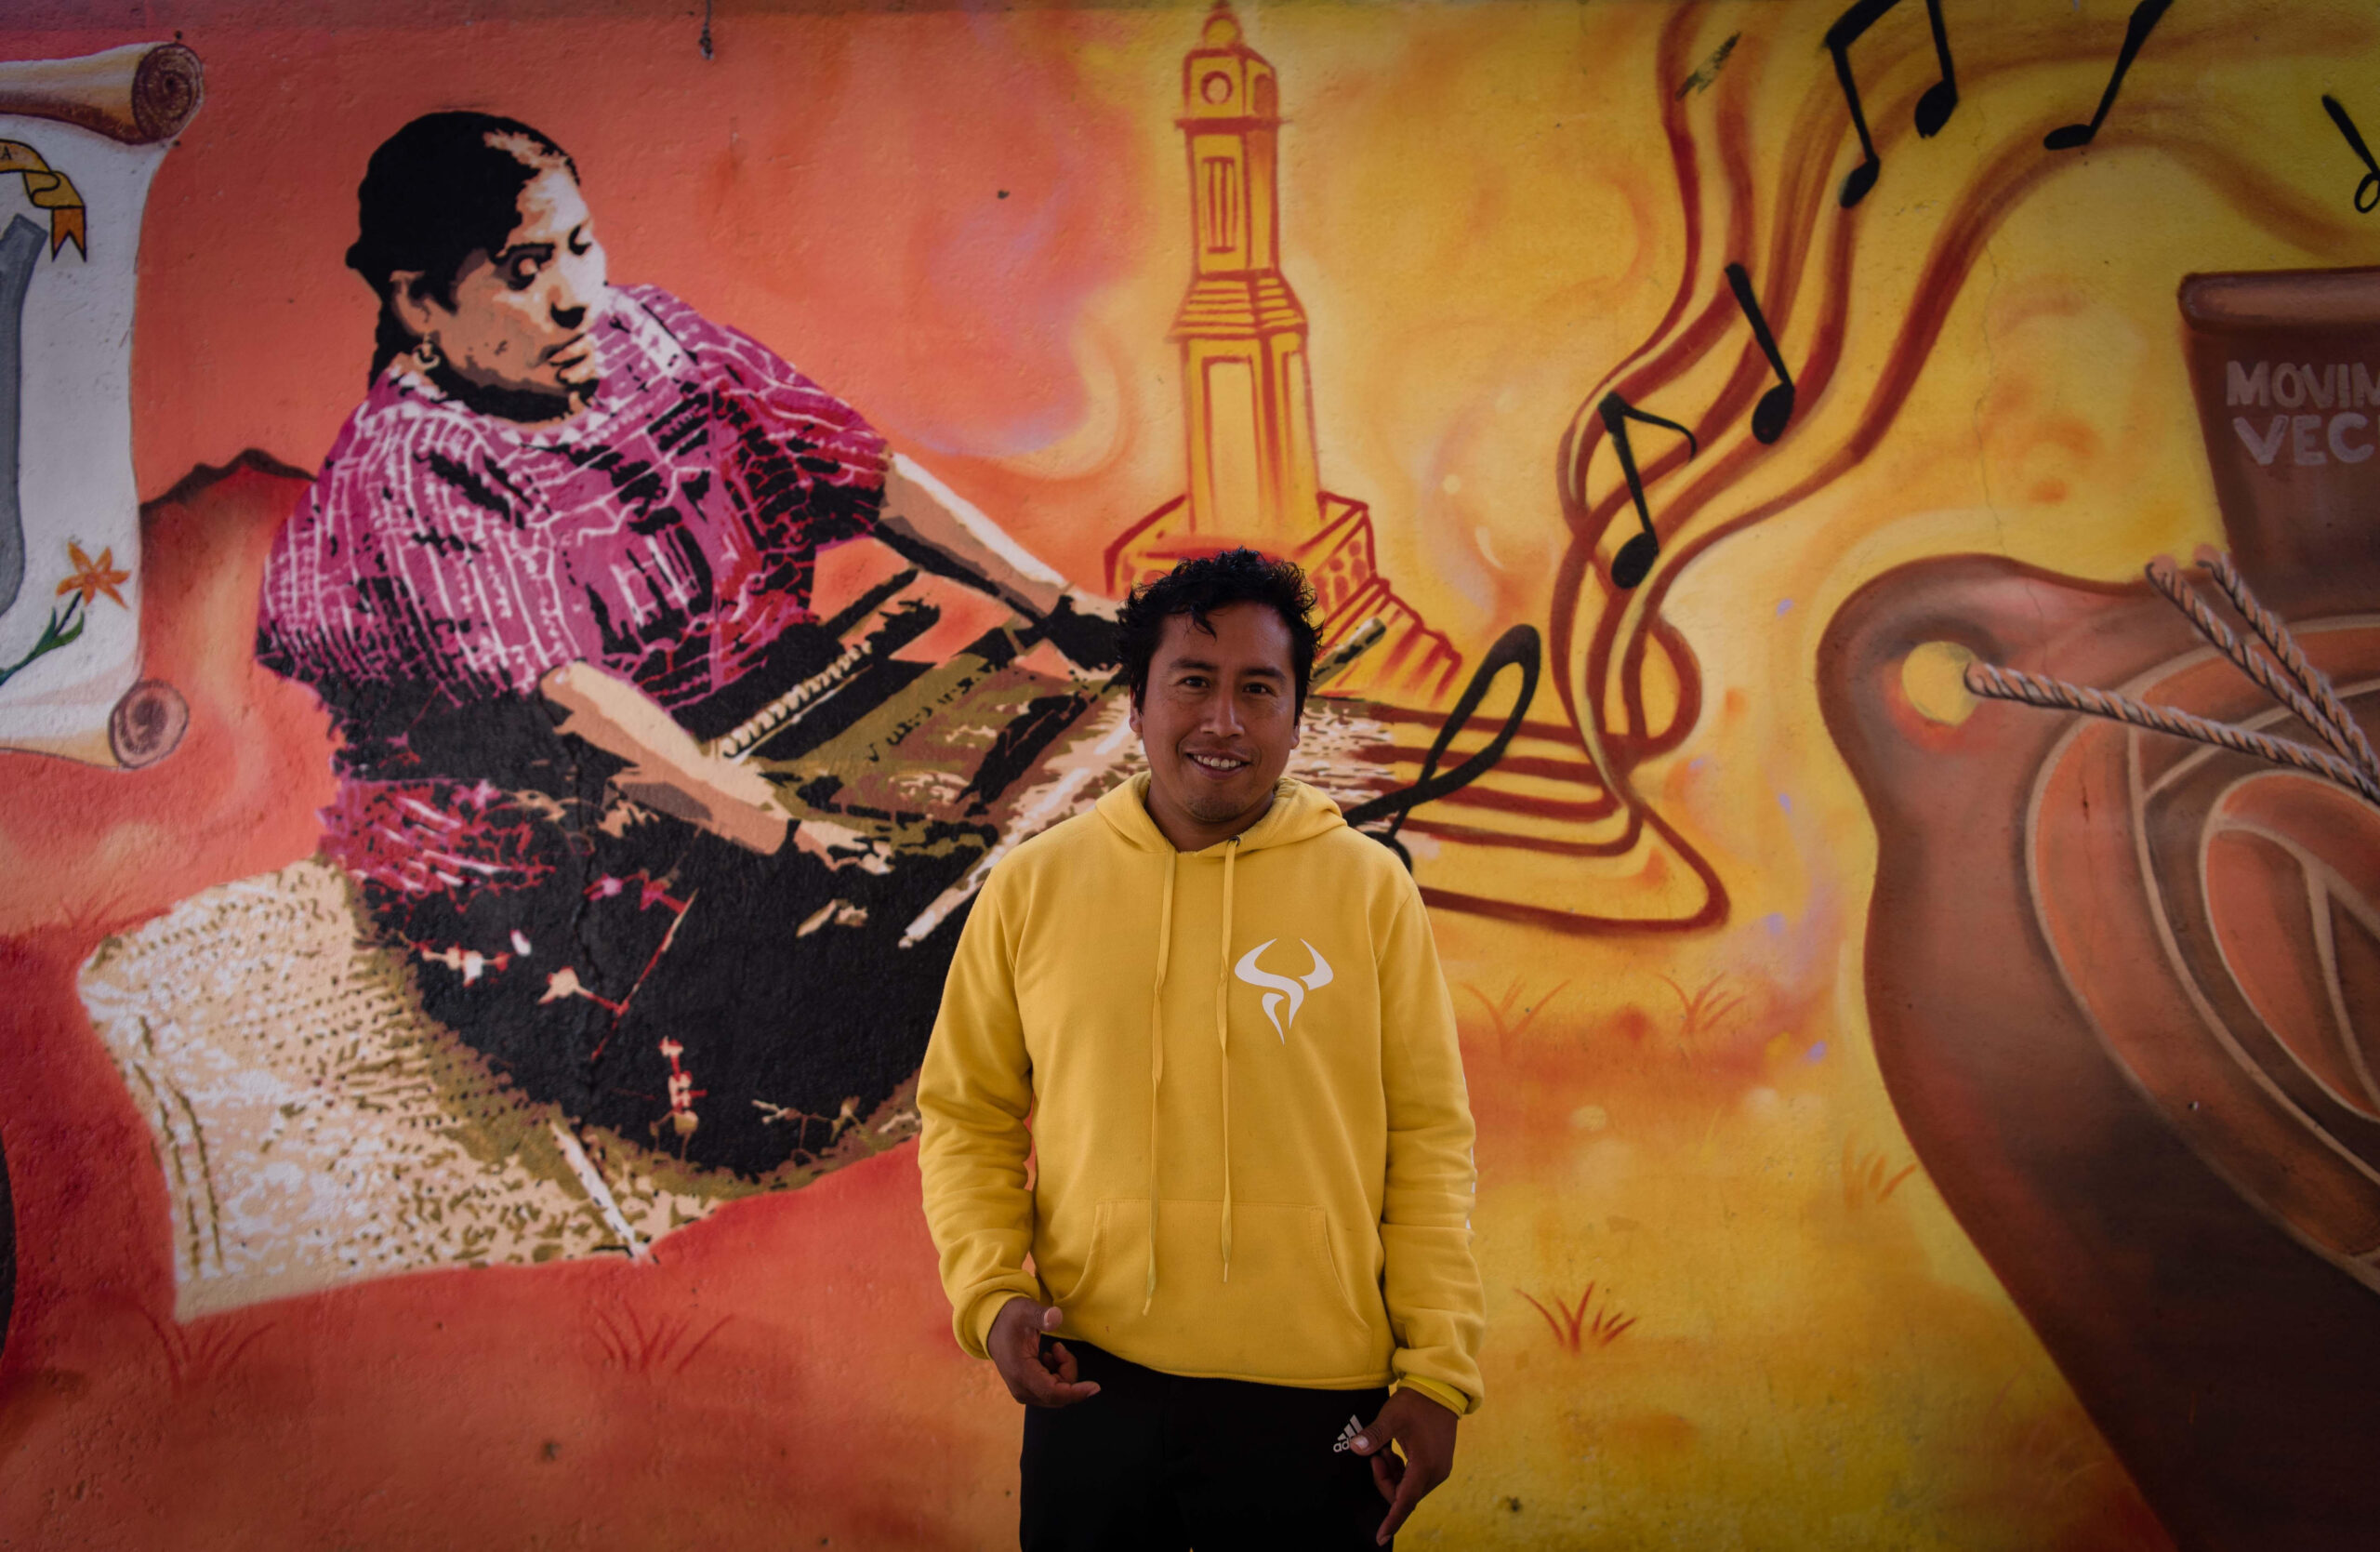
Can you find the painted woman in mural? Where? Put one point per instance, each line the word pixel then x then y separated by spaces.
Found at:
pixel 571 528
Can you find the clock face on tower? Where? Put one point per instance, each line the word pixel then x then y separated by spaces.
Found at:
pixel 1216 86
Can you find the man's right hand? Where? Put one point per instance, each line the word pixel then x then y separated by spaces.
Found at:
pixel 1035 1374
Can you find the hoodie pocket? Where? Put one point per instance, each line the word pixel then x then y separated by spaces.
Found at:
pixel 1285 1313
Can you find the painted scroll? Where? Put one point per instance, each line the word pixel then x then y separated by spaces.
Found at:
pixel 79 142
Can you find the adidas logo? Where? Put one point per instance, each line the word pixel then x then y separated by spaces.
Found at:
pixel 1347 1436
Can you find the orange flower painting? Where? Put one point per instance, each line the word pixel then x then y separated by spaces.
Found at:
pixel 92 578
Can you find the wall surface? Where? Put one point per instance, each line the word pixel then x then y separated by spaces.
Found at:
pixel 1909 1117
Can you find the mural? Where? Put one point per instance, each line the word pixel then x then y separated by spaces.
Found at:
pixel 2206 948
pixel 537 584
pixel 80 141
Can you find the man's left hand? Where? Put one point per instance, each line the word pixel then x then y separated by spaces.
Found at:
pixel 1426 1429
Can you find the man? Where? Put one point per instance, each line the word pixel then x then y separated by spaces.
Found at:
pixel 1241 1243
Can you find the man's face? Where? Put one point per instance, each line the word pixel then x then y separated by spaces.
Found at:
pixel 524 315
pixel 1217 721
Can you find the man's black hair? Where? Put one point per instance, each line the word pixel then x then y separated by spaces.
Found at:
pixel 1199 587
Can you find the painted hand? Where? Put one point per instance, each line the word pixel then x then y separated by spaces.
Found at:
pixel 1038 1374
pixel 710 796
pixel 667 770
pixel 841 846
pixel 1426 1430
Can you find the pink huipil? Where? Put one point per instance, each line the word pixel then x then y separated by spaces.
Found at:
pixel 667 531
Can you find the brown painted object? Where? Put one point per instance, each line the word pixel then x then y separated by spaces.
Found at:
pixel 2125 989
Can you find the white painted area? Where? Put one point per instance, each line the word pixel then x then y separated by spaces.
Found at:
pixel 314 1126
pixel 1076 778
pixel 598 1190
pixel 979 527
pixel 75 481
pixel 1486 542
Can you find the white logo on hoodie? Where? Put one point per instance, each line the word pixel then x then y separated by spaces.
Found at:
pixel 1282 986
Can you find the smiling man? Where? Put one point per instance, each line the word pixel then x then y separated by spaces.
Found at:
pixel 1240 1269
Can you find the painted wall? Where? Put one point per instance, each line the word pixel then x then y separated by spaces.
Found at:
pixel 1909 1116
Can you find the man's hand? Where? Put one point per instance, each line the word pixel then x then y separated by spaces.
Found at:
pixel 1046 1377
pixel 1426 1429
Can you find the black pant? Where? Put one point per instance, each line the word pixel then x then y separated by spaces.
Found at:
pixel 1160 1463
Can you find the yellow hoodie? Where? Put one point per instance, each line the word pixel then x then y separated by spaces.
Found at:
pixel 1257 1039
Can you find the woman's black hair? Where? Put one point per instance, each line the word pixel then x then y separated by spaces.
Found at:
pixel 1199 587
pixel 442 188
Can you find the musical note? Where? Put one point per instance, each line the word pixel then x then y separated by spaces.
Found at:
pixel 1700 80
pixel 1636 559
pixel 1519 647
pixel 1776 406
pixel 2367 193
pixel 1933 109
pixel 2144 20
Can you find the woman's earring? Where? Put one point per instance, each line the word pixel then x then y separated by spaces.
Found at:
pixel 425 350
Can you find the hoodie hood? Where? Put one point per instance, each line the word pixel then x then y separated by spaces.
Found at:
pixel 1299 813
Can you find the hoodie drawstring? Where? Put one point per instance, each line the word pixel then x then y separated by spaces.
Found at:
pixel 1157 1055
pixel 1156 1049
pixel 1222 1037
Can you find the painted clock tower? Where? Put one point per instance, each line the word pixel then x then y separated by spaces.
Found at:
pixel 1241 330
pixel 1253 474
